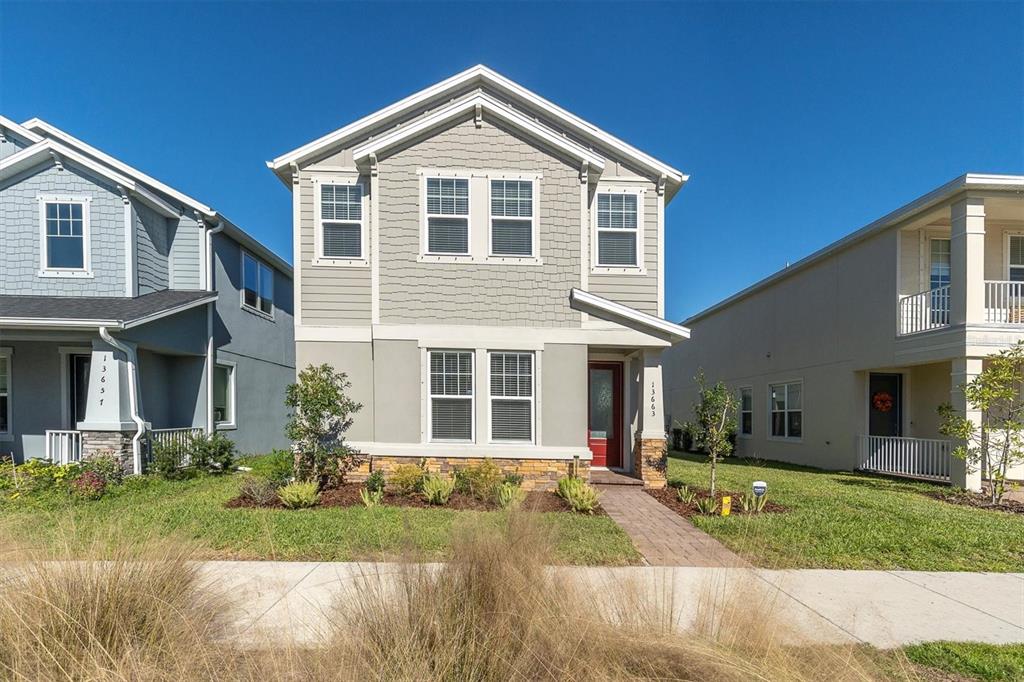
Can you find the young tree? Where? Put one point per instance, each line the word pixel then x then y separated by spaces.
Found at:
pixel 321 413
pixel 716 419
pixel 997 443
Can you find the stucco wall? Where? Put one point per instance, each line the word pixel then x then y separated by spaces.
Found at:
pixel 355 360
pixel 396 391
pixel 564 395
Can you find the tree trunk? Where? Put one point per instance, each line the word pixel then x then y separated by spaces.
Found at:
pixel 714 460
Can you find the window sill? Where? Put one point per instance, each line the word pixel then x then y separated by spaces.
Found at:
pixel 6 437
pixel 450 442
pixel 448 258
pixel 514 260
pixel 70 274
pixel 617 270
pixel 258 313
pixel 341 263
pixel 785 439
pixel 226 426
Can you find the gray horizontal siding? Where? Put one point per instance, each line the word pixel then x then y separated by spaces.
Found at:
pixel 152 248
pixel 185 254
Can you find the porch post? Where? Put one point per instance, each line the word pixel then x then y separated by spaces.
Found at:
pixel 964 370
pixel 650 448
pixel 967 261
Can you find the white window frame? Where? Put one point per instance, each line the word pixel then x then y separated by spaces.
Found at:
pixel 533 399
pixel 255 310
pixel 739 429
pixel 431 396
pixel 1007 266
pixel 7 355
pixel 232 368
pixel 771 410
pixel 86 270
pixel 319 260
pixel 534 257
pixel 931 240
pixel 425 253
pixel 640 268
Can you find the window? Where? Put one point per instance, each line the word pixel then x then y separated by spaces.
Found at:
pixel 224 395
pixel 257 285
pixel 512 397
pixel 448 216
pixel 65 234
pixel 451 395
pixel 5 393
pixel 787 409
pixel 617 229
pixel 512 217
pixel 746 411
pixel 940 263
pixel 1015 255
pixel 341 221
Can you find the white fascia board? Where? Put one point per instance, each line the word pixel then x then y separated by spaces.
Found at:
pixel 600 307
pixel 52 131
pixel 992 181
pixel 30 156
pixel 490 106
pixel 57 323
pixel 19 130
pixel 139 321
pixel 471 450
pixel 156 203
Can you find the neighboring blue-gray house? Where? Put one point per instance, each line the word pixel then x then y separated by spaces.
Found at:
pixel 129 312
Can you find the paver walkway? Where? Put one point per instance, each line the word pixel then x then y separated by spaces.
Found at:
pixel 664 537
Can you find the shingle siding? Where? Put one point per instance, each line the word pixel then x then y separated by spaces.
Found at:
pixel 636 291
pixel 152 248
pixel 186 238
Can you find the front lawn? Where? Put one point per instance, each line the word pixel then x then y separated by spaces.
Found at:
pixel 194 509
pixel 988 662
pixel 854 521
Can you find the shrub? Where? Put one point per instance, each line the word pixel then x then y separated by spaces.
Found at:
pixel 214 453
pixel 580 496
pixel 685 495
pixel 751 503
pixel 371 498
pixel 89 485
pixel 707 505
pixel 106 466
pixel 515 479
pixel 510 495
pixel 676 482
pixel 480 480
pixel 407 479
pixel 258 491
pixel 299 494
pixel 166 459
pixel 437 489
pixel 277 467
pixel 375 482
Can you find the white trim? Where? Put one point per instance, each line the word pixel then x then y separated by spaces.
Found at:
pixel 374 243
pixel 297 247
pixel 803 401
pixel 63 352
pixel 584 300
pixel 232 368
pixel 85 202
pixel 510 259
pixel 319 259
pixel 640 267
pixel 425 255
pixel 740 411
pixel 131 283
pixel 471 450
pixel 472 397
pixel 146 319
pixel 18 129
pixel 29 157
pixel 532 399
pixel 1008 236
pixel 474 336
pixel 243 252
pixel 7 353
pixel 584 231
pixel 661 253
pixel 353 334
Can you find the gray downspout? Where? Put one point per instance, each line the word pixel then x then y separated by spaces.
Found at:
pixel 133 400
pixel 209 327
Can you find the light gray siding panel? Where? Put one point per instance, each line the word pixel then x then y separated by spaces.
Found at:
pixel 20 241
pixel 186 242
pixel 564 395
pixel 636 291
pixel 478 293
pixel 152 248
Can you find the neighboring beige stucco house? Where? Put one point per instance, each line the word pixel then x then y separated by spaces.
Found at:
pixel 840 360
pixel 484 266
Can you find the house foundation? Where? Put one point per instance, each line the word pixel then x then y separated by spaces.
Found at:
pixel 651 461
pixel 116 444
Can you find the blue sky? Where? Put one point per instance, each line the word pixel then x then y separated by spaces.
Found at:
pixel 797 122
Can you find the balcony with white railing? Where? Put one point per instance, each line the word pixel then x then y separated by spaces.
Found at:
pixel 923 458
pixel 924 311
pixel 64 447
pixel 1004 303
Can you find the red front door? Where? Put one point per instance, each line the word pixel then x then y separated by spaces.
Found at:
pixel 604 426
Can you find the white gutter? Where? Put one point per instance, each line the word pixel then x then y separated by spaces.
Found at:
pixel 209 327
pixel 133 401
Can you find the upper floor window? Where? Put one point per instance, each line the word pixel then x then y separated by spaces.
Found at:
pixel 939 275
pixel 787 409
pixel 618 229
pixel 257 284
pixel 65 237
pixel 1015 258
pixel 447 215
pixel 342 234
pixel 746 411
pixel 512 215
pixel 512 393
pixel 450 385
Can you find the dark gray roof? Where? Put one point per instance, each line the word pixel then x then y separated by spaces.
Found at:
pixel 116 309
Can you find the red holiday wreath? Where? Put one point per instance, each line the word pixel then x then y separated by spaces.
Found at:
pixel 882 401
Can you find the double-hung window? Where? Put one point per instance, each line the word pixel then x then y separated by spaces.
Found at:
pixel 224 395
pixel 512 216
pixel 5 393
pixel 257 284
pixel 450 386
pixel 787 409
pixel 65 236
pixel 618 229
pixel 1015 257
pixel 447 215
pixel 939 279
pixel 341 222
pixel 512 391
pixel 746 411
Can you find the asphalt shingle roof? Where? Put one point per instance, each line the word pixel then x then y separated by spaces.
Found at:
pixel 102 309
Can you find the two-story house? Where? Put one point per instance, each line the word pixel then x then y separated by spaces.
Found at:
pixel 841 360
pixel 129 311
pixel 488 269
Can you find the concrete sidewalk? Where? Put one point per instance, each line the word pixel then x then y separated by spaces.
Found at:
pixel 882 608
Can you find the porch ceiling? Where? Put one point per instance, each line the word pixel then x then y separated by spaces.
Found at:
pixel 84 311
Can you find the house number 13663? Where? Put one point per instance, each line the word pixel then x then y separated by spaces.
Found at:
pixel 654 401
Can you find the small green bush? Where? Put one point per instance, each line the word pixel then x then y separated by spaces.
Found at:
pixel 375 482
pixel 214 453
pixel 580 496
pixel 676 482
pixel 685 495
pixel 707 505
pixel 88 485
pixel 277 467
pixel 752 504
pixel 371 498
pixel 437 489
pixel 510 495
pixel 299 495
pixel 515 479
pixel 106 466
pixel 258 491
pixel 480 480
pixel 407 479
pixel 166 459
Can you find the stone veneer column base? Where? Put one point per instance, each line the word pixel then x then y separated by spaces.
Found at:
pixel 538 474
pixel 650 457
pixel 116 444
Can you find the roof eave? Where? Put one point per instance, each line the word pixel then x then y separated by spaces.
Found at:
pixel 612 311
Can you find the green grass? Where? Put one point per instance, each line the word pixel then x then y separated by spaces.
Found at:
pixel 854 521
pixel 194 509
pixel 988 662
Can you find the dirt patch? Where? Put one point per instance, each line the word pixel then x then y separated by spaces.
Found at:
pixel 669 498
pixel 976 500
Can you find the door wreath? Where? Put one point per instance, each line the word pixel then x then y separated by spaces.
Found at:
pixel 882 401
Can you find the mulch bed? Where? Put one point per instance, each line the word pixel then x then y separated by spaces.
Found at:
pixel 977 501
pixel 348 496
pixel 669 498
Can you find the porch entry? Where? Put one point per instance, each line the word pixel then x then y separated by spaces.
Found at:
pixel 885 405
pixel 78 389
pixel 604 427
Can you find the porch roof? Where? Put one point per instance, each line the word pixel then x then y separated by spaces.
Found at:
pixel 120 312
pixel 617 313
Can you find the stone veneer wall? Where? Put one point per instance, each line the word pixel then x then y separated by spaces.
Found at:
pixel 117 444
pixel 651 458
pixel 538 474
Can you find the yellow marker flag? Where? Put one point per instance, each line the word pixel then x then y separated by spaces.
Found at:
pixel 726 505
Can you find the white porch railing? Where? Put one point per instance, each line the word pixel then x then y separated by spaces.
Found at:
pixel 925 310
pixel 63 447
pixel 174 437
pixel 911 457
pixel 1004 302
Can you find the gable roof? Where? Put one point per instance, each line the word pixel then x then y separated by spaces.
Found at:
pixel 481 75
pixel 7 125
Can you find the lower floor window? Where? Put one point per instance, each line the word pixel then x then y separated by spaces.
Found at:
pixel 451 395
pixel 512 389
pixel 5 392
pixel 746 411
pixel 224 394
pixel 787 409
